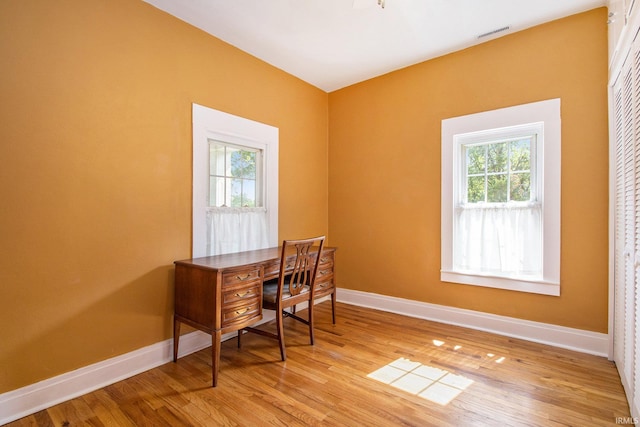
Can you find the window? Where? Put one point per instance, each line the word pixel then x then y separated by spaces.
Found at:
pixel 497 222
pixel 235 176
pixel 501 198
pixel 235 183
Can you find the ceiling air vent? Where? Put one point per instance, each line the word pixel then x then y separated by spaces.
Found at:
pixel 490 33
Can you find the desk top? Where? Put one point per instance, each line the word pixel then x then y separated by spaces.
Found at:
pixel 238 259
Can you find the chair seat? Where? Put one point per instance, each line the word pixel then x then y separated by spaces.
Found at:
pixel 270 293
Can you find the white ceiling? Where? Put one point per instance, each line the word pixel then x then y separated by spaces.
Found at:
pixel 335 43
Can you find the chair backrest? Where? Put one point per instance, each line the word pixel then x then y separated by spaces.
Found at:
pixel 302 272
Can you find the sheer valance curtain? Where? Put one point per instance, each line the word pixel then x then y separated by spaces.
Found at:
pixel 499 240
pixel 236 229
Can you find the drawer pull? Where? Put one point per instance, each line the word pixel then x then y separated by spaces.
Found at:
pixel 240 295
pixel 324 259
pixel 324 273
pixel 243 311
pixel 243 277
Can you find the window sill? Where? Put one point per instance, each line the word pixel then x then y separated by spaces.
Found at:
pixel 532 286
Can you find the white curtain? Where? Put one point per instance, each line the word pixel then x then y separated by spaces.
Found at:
pixel 499 240
pixel 236 230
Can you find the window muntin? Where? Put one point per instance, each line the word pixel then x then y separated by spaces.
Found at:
pixel 235 176
pixel 499 171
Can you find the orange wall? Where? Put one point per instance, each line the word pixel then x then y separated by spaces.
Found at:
pixel 384 168
pixel 95 176
pixel 95 171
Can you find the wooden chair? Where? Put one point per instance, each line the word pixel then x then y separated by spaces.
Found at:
pixel 299 262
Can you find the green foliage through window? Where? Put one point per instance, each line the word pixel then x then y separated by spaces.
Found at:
pixel 498 171
pixel 233 176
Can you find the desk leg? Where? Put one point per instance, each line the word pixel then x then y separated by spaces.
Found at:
pixel 216 336
pixel 176 338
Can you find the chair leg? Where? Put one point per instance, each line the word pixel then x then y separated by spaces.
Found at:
pixel 310 311
pixel 239 337
pixel 333 306
pixel 280 328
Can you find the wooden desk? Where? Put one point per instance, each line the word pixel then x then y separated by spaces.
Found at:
pixel 223 293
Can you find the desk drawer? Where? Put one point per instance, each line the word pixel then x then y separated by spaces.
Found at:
pixel 325 275
pixel 241 277
pixel 324 288
pixel 325 269
pixel 244 292
pixel 271 269
pixel 326 259
pixel 324 280
pixel 241 313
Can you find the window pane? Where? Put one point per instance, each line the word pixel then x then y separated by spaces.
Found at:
pixel 217 191
pixel 475 189
pixel 216 159
pixel 233 155
pixel 236 192
pixel 249 193
pixel 497 188
pixel 243 164
pixel 212 191
pixel 497 157
pixel 521 187
pixel 475 159
pixel 521 155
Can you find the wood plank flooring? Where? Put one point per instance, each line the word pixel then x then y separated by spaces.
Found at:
pixel 423 374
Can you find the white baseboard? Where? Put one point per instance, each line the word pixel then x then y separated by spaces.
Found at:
pixel 559 336
pixel 44 394
pixel 27 400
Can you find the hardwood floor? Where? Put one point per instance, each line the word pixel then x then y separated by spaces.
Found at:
pixel 474 379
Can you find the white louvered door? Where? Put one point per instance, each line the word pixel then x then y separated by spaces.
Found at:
pixel 625 105
pixel 632 295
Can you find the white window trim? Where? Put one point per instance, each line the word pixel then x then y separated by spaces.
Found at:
pixel 217 125
pixel 547 112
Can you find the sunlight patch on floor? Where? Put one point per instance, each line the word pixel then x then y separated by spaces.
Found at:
pixel 434 384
